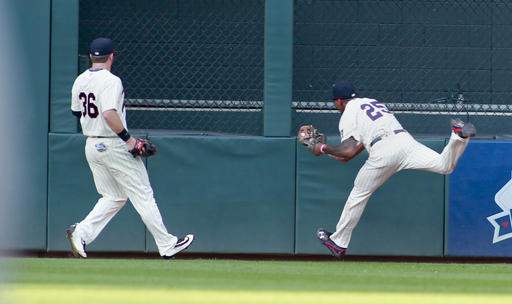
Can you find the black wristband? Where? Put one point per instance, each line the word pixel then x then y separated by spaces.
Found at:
pixel 124 135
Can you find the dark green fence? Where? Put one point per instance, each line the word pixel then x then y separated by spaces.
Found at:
pixel 199 65
pixel 429 60
pixel 185 65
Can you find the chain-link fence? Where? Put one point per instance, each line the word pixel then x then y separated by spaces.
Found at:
pixel 428 60
pixel 185 65
pixel 198 65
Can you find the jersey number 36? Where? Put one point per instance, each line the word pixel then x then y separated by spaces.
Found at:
pixel 88 105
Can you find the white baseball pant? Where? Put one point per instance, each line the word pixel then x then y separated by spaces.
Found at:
pixel 388 156
pixel 119 176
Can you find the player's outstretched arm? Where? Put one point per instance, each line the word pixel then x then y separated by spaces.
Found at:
pixel 345 151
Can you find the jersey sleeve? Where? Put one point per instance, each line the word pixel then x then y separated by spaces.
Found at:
pixel 75 102
pixel 112 96
pixel 348 126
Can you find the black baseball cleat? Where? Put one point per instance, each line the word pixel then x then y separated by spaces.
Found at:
pixel 324 237
pixel 181 245
pixel 463 129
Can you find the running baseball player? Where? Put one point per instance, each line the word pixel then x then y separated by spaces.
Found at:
pixel 114 156
pixel 367 123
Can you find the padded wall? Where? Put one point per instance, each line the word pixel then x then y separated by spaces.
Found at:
pixel 236 194
pixel 64 64
pixel 404 217
pixel 480 201
pixel 72 194
pixel 25 66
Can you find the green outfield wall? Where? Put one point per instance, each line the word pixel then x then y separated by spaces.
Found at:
pixel 236 194
pixel 259 192
pixel 404 217
pixel 241 194
pixel 71 195
pixel 26 142
pixel 64 64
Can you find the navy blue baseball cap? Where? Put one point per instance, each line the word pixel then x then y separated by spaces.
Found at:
pixel 101 47
pixel 343 89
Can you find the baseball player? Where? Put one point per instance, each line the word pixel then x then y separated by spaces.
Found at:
pixel 114 156
pixel 367 123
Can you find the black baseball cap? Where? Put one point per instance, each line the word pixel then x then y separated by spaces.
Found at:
pixel 343 89
pixel 101 47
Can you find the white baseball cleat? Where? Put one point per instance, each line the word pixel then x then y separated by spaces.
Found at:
pixel 76 242
pixel 181 245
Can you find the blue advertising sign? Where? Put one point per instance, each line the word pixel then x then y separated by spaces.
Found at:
pixel 480 201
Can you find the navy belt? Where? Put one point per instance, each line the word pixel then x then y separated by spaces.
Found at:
pixel 102 136
pixel 378 138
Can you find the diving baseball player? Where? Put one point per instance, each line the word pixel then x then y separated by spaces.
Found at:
pixel 114 156
pixel 367 123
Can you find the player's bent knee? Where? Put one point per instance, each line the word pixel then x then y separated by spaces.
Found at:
pixel 119 200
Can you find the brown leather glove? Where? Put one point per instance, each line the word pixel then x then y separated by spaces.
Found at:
pixel 143 148
pixel 309 136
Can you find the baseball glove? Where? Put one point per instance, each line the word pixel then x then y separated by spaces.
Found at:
pixel 143 148
pixel 309 136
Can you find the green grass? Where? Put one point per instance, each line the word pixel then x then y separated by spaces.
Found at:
pixel 230 281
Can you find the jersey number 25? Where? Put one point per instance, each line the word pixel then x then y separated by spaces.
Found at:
pixel 89 107
pixel 374 109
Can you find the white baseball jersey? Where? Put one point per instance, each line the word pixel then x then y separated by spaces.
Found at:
pixel 365 119
pixel 117 174
pixel 94 92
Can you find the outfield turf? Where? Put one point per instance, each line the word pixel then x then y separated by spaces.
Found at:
pixel 111 281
